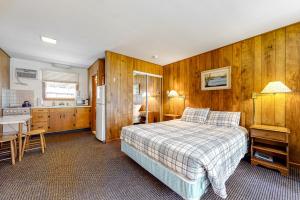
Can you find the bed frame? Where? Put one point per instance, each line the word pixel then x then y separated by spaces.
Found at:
pixel 189 190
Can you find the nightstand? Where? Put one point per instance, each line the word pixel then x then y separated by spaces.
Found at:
pixel 272 141
pixel 171 117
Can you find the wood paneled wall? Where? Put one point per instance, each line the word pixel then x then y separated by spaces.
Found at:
pixel 119 90
pixel 255 61
pixel 4 76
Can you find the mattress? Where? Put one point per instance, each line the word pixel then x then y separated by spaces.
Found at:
pixel 191 149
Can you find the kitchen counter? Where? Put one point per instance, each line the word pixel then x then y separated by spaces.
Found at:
pixel 60 118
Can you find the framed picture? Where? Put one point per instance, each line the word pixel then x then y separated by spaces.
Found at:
pixel 216 79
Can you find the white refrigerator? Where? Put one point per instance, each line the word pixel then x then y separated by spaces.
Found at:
pixel 100 114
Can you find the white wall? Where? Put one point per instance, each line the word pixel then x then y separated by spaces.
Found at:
pixel 36 85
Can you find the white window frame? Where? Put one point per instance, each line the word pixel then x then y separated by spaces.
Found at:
pixel 59 98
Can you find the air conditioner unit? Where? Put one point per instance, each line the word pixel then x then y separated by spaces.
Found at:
pixel 26 73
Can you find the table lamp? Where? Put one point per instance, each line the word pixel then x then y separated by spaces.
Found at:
pixel 173 93
pixel 273 87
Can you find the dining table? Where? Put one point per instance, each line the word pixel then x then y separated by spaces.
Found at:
pixel 20 120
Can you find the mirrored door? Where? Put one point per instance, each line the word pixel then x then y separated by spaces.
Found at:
pixel 147 99
pixel 139 114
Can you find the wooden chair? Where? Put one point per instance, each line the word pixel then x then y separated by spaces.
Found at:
pixel 27 143
pixel 13 146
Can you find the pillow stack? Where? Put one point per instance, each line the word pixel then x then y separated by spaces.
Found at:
pixel 217 118
pixel 196 115
pixel 228 119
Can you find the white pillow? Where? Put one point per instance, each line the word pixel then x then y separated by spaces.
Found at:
pixel 228 119
pixel 196 115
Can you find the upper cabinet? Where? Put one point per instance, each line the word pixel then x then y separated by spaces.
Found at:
pixel 97 69
pixel 4 72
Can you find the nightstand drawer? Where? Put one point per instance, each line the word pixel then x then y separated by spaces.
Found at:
pixel 269 135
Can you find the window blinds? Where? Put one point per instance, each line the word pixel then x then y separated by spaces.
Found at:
pixel 58 76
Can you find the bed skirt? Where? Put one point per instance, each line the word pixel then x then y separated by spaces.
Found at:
pixel 189 190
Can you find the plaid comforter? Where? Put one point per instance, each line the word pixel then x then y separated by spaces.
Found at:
pixel 191 149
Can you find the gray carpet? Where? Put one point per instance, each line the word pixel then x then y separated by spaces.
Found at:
pixel 76 166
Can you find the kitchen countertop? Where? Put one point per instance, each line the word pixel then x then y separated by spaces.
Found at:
pixel 44 107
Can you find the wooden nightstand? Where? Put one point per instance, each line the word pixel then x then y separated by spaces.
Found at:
pixel 171 117
pixel 273 141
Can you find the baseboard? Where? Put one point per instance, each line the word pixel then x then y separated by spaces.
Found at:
pixel 112 140
pixel 70 131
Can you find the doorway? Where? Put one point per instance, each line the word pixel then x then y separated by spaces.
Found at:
pixel 147 98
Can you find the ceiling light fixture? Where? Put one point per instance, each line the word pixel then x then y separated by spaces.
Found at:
pixel 48 40
pixel 155 56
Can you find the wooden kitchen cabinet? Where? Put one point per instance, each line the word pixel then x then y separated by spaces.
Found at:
pixel 83 118
pixel 60 119
pixel 55 120
pixel 68 119
pixel 39 119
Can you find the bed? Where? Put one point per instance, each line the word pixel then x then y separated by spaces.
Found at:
pixel 187 156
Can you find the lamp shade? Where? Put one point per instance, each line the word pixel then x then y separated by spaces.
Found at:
pixel 173 93
pixel 275 87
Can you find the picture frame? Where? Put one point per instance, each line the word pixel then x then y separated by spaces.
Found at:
pixel 216 79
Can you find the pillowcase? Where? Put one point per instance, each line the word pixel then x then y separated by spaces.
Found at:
pixel 196 115
pixel 228 119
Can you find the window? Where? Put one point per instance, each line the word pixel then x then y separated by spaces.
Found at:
pixel 59 90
